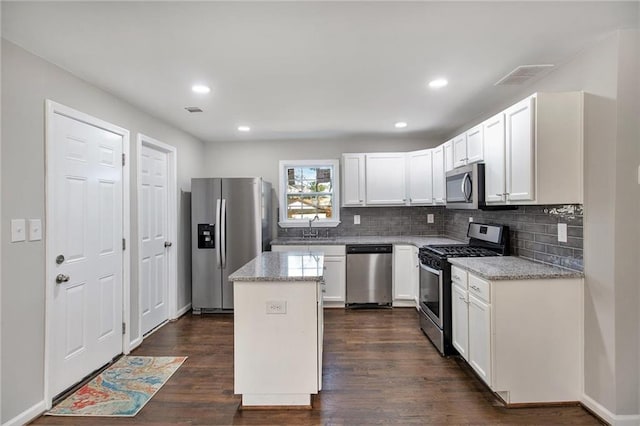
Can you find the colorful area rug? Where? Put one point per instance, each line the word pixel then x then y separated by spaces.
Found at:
pixel 122 389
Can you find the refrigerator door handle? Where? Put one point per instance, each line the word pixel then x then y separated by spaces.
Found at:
pixel 223 233
pixel 217 235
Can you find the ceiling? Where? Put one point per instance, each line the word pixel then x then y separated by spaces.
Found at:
pixel 309 70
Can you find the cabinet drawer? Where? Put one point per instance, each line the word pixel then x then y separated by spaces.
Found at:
pixel 459 277
pixel 480 288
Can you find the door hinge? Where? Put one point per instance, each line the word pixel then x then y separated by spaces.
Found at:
pixel 124 244
pixel 123 159
pixel 124 327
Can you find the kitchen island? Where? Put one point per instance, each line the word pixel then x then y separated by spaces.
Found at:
pixel 278 329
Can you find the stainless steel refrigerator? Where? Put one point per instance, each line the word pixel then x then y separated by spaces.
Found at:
pixel 230 225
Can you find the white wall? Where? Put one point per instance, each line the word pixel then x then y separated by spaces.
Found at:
pixel 26 82
pixel 244 158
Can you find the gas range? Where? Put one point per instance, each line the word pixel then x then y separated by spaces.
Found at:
pixel 435 278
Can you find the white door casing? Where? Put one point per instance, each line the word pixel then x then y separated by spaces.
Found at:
pixel 157 224
pixel 87 202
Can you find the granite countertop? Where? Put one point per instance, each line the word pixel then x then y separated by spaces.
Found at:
pixel 417 241
pixel 282 266
pixel 511 268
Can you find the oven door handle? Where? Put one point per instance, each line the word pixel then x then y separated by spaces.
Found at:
pixel 428 269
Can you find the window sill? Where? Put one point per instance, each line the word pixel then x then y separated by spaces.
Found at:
pixel 305 224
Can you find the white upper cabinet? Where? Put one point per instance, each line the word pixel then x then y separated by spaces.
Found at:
pixel 448 155
pixel 385 177
pixel 420 177
pixel 534 151
pixel 475 144
pixel 459 150
pixel 520 150
pixel 494 159
pixel 439 195
pixel 353 180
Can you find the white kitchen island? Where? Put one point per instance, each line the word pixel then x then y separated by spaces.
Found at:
pixel 278 328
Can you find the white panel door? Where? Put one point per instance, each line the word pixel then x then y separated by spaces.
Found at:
pixel 460 150
pixel 439 191
pixel 460 321
pixel 420 176
pixel 86 229
pixel 475 144
pixel 154 265
pixel 480 338
pixel 520 150
pixel 494 159
pixel 386 178
pixel 353 179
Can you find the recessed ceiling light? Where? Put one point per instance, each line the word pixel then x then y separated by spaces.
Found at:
pixel 438 83
pixel 200 88
pixel 400 125
pixel 244 128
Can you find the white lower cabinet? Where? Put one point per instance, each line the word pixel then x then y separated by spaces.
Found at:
pixel 521 337
pixel 460 320
pixel 406 275
pixel 335 270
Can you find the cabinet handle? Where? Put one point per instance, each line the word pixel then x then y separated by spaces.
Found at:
pixel 499 195
pixel 456 277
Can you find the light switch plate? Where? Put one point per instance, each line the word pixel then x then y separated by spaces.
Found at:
pixel 562 232
pixel 356 219
pixel 430 218
pixel 470 219
pixel 35 230
pixel 17 230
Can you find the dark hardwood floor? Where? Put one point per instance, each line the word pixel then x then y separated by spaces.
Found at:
pixel 378 369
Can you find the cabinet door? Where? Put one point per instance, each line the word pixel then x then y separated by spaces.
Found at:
pixel 385 174
pixel 353 179
pixel 475 144
pixel 448 156
pixel 460 150
pixel 494 159
pixel 520 150
pixel 438 175
pixel 480 338
pixel 420 177
pixel 460 321
pixel 405 272
pixel 335 278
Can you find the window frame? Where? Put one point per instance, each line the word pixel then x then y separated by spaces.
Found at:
pixel 284 221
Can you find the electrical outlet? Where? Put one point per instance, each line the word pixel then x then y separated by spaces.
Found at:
pixel 470 219
pixel 276 307
pixel 562 232
pixel 430 218
pixel 356 219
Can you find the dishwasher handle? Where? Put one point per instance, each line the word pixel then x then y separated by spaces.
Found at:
pixel 369 248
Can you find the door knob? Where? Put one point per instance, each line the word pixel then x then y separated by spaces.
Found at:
pixel 60 259
pixel 168 243
pixel 62 278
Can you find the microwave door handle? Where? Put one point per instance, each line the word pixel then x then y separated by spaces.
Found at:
pixel 466 179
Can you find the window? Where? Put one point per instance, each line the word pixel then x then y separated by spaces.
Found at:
pixel 309 191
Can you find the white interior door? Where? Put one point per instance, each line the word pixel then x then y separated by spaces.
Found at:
pixel 85 220
pixel 154 234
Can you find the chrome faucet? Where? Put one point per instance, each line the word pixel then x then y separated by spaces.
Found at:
pixel 311 233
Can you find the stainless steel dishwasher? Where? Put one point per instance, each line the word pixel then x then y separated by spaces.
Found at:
pixel 369 275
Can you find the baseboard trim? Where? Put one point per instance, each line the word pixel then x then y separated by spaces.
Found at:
pixel 613 419
pixel 186 308
pixel 135 343
pixel 27 415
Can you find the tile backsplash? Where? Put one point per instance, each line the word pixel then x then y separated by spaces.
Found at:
pixel 383 221
pixel 534 229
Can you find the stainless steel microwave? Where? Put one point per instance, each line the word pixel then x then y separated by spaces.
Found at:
pixel 465 187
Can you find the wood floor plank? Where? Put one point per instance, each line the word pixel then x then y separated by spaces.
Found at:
pixel 378 369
